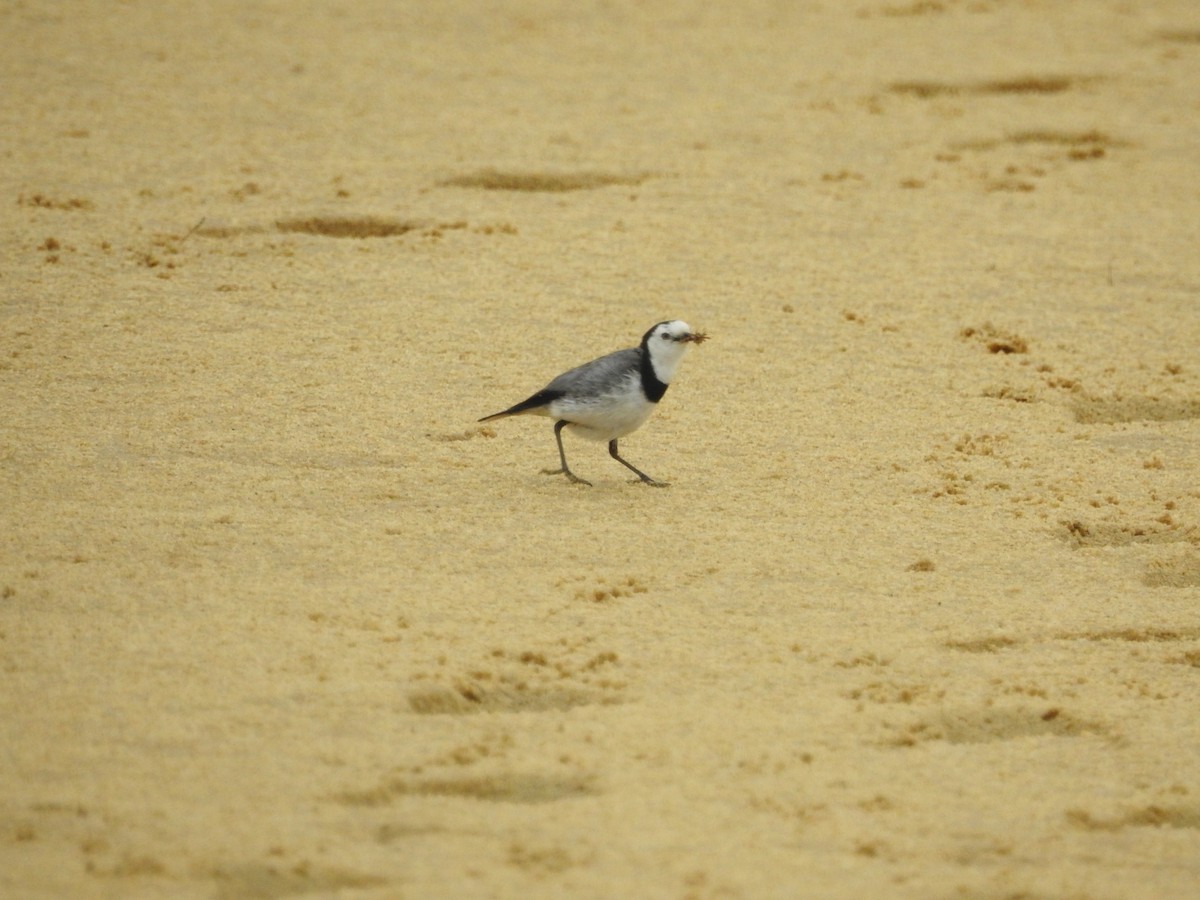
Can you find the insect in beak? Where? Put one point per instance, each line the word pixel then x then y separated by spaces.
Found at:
pixel 696 337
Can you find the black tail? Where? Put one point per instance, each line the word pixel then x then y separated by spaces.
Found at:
pixel 541 398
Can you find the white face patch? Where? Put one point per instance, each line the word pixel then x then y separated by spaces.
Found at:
pixel 676 329
pixel 667 348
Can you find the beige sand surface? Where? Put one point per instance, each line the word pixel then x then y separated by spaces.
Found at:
pixel 919 615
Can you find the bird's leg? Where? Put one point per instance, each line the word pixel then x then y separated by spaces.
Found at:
pixel 612 450
pixel 562 457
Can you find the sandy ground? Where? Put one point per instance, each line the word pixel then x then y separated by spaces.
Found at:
pixel 919 615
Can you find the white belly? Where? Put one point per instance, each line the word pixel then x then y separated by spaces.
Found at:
pixel 607 417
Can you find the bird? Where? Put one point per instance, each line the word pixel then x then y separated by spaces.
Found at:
pixel 610 397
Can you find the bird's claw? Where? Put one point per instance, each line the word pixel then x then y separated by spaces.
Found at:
pixel 571 476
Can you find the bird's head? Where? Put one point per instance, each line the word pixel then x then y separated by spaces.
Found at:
pixel 666 343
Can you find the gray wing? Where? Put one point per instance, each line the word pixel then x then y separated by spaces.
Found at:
pixel 600 376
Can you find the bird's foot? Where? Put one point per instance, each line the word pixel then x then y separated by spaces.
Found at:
pixel 646 479
pixel 571 476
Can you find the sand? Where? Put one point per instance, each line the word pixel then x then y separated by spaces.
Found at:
pixel 919 614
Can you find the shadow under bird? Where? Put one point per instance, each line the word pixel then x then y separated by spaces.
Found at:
pixel 612 396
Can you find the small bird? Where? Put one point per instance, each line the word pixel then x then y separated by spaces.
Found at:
pixel 612 396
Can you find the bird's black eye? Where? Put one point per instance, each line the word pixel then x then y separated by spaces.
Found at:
pixel 666 337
